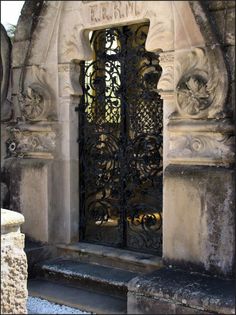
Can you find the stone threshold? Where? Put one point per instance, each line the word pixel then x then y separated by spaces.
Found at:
pixel 110 256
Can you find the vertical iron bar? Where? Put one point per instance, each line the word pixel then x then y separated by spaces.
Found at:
pixel 123 137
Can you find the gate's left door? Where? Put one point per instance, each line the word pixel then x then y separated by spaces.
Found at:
pixel 100 144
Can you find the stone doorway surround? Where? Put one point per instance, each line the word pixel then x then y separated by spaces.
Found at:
pixel 42 155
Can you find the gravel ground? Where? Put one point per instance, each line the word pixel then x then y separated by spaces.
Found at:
pixel 40 306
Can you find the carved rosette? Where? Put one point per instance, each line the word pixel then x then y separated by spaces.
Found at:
pixel 27 143
pixel 199 132
pixel 201 87
pixel 35 103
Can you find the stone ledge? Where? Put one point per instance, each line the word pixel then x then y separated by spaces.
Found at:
pixel 10 221
pixel 190 291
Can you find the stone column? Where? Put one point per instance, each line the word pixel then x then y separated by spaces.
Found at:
pixel 13 264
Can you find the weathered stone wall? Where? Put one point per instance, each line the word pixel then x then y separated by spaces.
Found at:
pixel 6 106
pixel 13 264
pixel 199 186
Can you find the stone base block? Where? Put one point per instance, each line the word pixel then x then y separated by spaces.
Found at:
pixel 172 291
pixel 198 218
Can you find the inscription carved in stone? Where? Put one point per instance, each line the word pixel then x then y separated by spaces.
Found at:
pixel 108 11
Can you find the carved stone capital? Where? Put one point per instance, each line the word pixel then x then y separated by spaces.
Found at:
pixel 28 141
pixel 166 82
pixel 198 142
pixel 202 148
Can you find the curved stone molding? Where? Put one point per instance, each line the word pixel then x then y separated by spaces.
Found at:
pixel 200 90
pixel 35 103
pixel 198 148
pixel 79 44
pixel 31 143
pixel 160 36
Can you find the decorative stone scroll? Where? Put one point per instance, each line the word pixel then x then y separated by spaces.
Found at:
pixel 35 103
pixel 202 148
pixel 201 87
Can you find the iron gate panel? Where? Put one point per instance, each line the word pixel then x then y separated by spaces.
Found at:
pixel 121 142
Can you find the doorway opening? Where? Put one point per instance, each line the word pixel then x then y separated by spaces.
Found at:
pixel 121 142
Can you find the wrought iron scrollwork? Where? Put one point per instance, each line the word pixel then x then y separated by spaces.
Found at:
pixel 121 142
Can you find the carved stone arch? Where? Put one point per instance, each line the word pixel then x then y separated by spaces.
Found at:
pixel 190 57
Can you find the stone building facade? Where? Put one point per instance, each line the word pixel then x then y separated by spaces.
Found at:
pixel 195 42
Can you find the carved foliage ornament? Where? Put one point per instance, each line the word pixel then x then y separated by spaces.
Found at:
pixel 36 102
pixel 21 143
pixel 213 148
pixel 201 90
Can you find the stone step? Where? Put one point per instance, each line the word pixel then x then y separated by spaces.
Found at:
pixel 110 256
pixel 86 275
pixel 84 300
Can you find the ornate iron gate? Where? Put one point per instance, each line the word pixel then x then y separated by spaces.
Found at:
pixel 121 142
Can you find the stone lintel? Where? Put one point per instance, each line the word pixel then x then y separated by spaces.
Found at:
pixel 173 291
